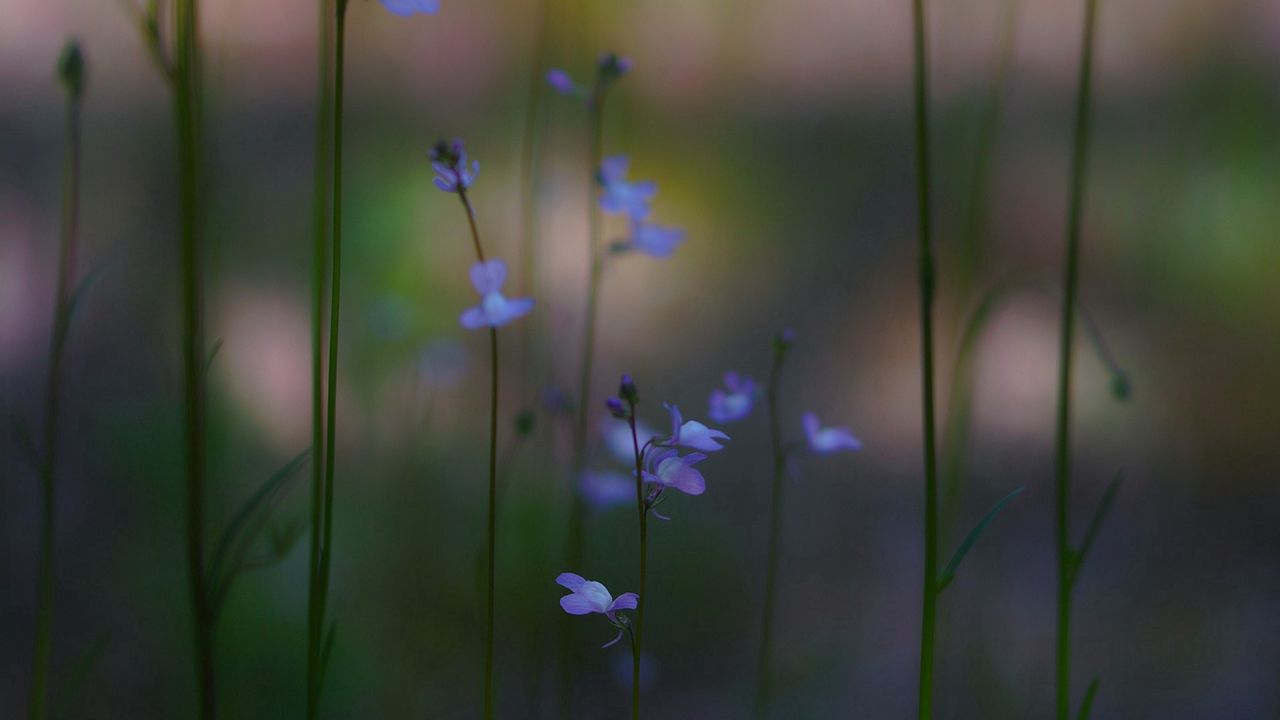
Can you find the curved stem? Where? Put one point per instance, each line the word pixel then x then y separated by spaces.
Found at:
pixel 928 618
pixel 1062 453
pixel 319 286
pixel 643 516
pixel 335 307
pixel 764 677
pixel 67 253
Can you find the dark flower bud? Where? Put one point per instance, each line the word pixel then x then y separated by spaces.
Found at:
pixel 71 69
pixel 627 390
pixel 616 408
pixel 448 154
pixel 613 67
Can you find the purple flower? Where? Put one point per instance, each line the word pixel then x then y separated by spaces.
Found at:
pixel 735 404
pixel 494 309
pixel 651 239
pixel 604 490
pixel 560 80
pixel 620 196
pixel 668 469
pixel 692 434
pixel 613 66
pixel 589 596
pixel 828 440
pixel 450 163
pixel 405 8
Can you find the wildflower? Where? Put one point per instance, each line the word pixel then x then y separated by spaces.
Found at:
pixel 620 196
pixel 450 163
pixel 604 490
pixel 494 309
pixel 589 596
pixel 405 8
pixel 613 66
pixel 560 80
pixel 828 440
pixel 651 239
pixel 671 470
pixel 692 434
pixel 735 404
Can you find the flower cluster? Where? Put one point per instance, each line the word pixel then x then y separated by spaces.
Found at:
pixel 449 159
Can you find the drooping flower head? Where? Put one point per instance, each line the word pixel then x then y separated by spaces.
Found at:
pixel 621 197
pixel 494 309
pixel 588 596
pixel 830 439
pixel 691 433
pixel 405 8
pixel 735 401
pixel 669 470
pixel 449 159
pixel 651 239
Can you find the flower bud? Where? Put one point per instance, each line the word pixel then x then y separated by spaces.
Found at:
pixel 71 69
pixel 613 67
pixel 616 408
pixel 627 390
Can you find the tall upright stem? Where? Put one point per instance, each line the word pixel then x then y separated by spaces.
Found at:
pixel 928 617
pixel 764 678
pixel 576 508
pixel 1062 453
pixel 187 111
pixel 643 517
pixel 335 306
pixel 319 266
pixel 493 476
pixel 67 253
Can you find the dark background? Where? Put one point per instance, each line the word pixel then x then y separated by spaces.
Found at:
pixel 779 133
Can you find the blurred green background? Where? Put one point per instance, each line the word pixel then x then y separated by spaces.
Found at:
pixel 779 134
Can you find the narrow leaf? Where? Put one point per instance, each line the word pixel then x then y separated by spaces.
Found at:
pixel 213 353
pixel 1086 707
pixel 240 533
pixel 81 288
pixel 949 573
pixel 64 699
pixel 1095 523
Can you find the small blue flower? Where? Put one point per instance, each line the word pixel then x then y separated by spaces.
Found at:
pixel 494 309
pixel 589 596
pixel 735 404
pixel 651 239
pixel 828 440
pixel 450 163
pixel 692 434
pixel 618 195
pixel 563 83
pixel 405 8
pixel 670 470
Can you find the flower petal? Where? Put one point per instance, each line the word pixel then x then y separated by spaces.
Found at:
pixel 697 436
pixel 578 605
pixel 488 277
pixel 625 601
pixel 473 318
pixel 614 641
pixel 571 581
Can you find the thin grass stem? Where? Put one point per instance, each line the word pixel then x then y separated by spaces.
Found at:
pixel 764 676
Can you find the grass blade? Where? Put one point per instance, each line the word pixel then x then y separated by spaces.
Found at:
pixel 1086 707
pixel 1095 523
pixel 63 701
pixel 244 527
pixel 949 572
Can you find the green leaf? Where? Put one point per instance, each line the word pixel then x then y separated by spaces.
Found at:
pixel 64 699
pixel 240 533
pixel 1087 706
pixel 1095 523
pixel 949 573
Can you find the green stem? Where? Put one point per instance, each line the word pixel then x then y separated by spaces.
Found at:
pixel 643 515
pixel 67 253
pixel 1070 282
pixel 576 508
pixel 335 305
pixel 764 677
pixel 926 270
pixel 493 475
pixel 187 111
pixel 319 266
